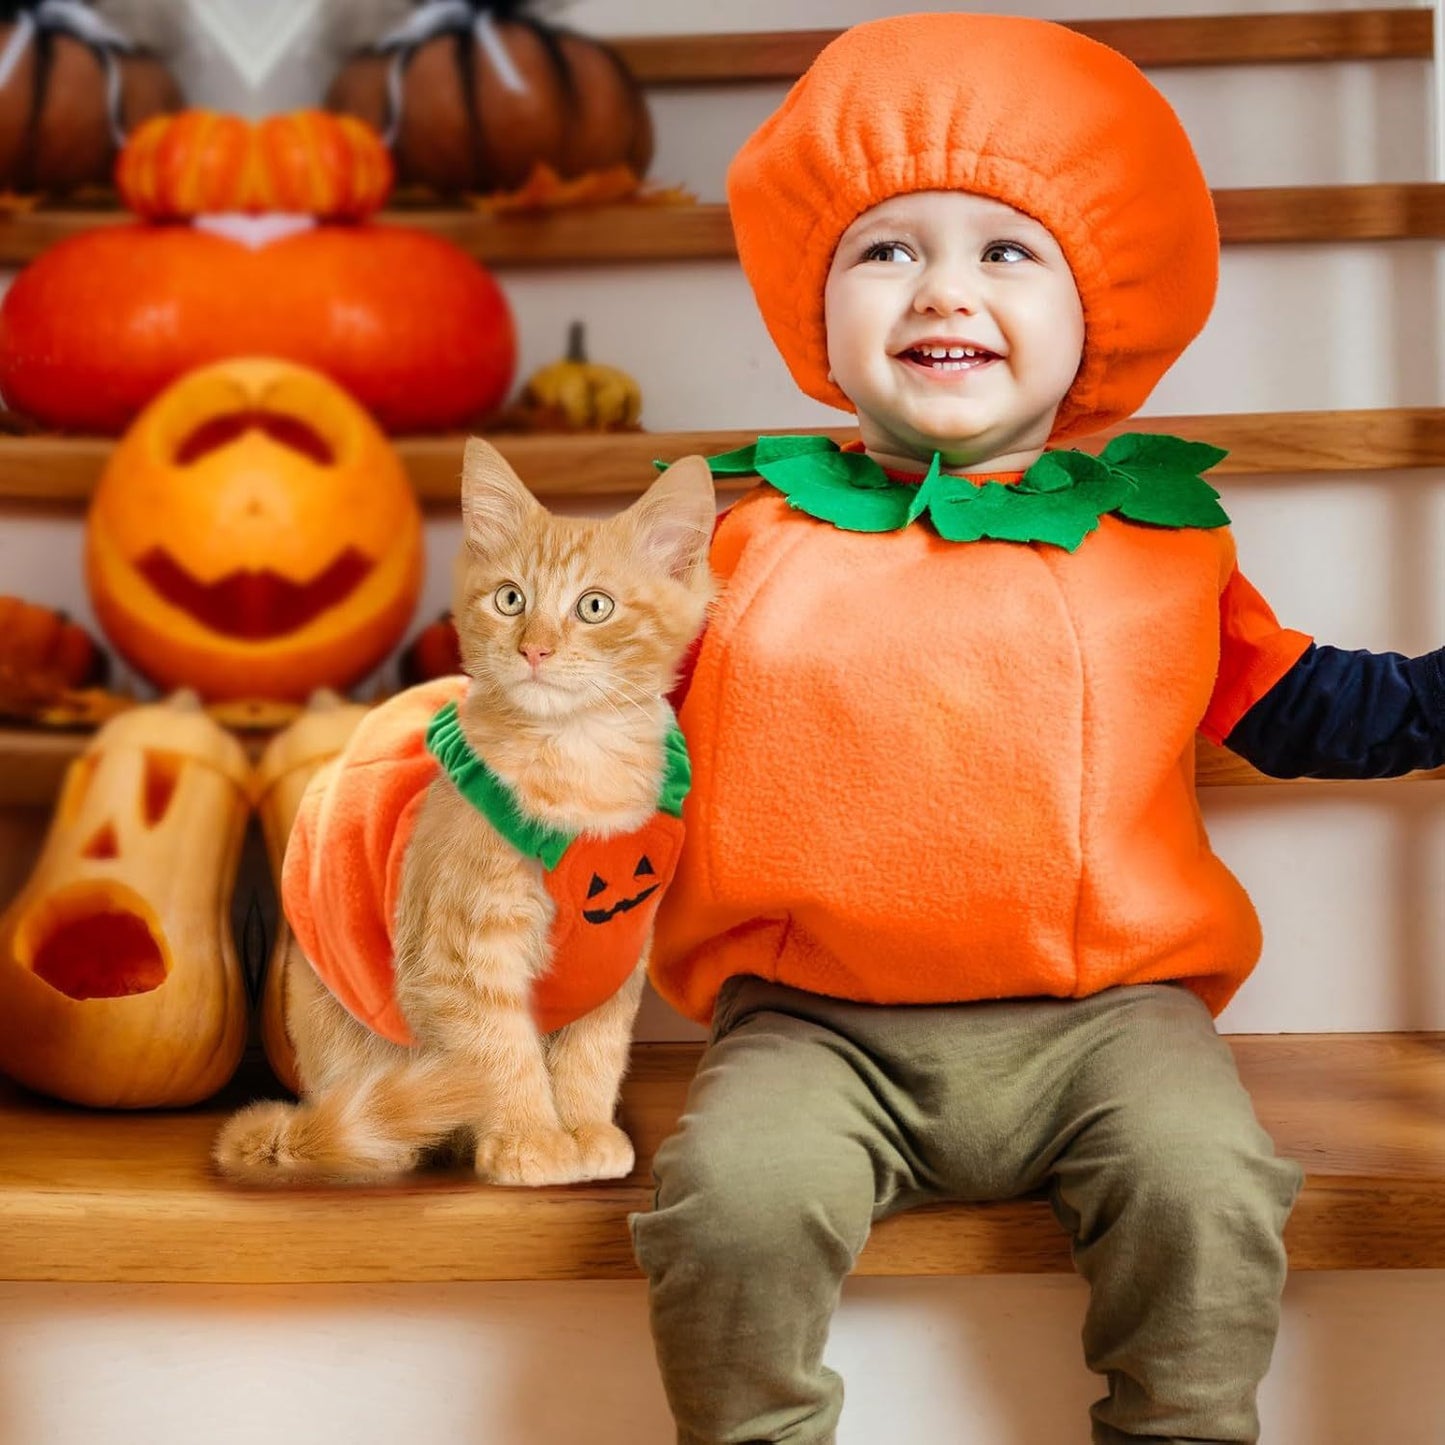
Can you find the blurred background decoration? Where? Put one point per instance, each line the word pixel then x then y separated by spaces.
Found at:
pixel 405 320
pixel 479 96
pixel 201 162
pixel 254 535
pixel 47 662
pixel 72 85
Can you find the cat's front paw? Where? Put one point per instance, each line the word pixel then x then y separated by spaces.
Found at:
pixel 605 1150
pixel 538 1156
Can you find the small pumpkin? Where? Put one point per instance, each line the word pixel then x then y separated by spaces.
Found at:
pixel 433 652
pixel 290 761
pixel 408 323
pixel 43 655
pixel 60 118
pixel 488 91
pixel 334 167
pixel 254 535
pixel 583 395
pixel 119 981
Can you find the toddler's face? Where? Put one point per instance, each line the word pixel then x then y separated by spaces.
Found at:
pixel 953 326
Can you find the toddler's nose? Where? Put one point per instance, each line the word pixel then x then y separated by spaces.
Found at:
pixel 945 293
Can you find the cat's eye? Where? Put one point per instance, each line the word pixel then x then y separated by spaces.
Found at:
pixel 509 599
pixel 595 607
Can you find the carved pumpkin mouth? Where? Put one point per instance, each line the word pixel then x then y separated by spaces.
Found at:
pixel 254 606
pixel 93 942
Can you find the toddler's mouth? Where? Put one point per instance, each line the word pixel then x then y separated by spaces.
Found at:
pixel 944 358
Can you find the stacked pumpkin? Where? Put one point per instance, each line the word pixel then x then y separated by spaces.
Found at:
pixel 254 240
pixel 479 96
pixel 71 87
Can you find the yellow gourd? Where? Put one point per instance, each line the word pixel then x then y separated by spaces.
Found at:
pixel 119 981
pixel 286 767
pixel 585 395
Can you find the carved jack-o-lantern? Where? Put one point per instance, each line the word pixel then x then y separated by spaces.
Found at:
pixel 119 982
pixel 254 535
pixel 286 767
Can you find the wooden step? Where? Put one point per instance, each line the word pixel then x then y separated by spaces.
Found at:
pixel 1150 42
pixel 131 1197
pixel 622 234
pixel 63 471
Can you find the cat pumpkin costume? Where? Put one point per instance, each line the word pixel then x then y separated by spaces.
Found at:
pixel 938 771
pixel 343 866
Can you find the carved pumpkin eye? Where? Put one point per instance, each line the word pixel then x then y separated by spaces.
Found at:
pixel 595 607
pixel 509 600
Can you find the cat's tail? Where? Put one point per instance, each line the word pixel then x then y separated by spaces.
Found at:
pixel 366 1131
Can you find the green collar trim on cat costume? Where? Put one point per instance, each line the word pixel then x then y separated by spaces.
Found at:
pixel 490 796
pixel 1152 480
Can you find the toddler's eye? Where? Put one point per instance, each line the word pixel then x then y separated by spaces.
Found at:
pixel 888 251
pixel 509 599
pixel 595 607
pixel 1006 251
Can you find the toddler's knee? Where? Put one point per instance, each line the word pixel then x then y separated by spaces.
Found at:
pixel 754 1215
pixel 1228 1191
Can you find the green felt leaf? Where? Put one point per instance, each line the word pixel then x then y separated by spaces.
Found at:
pixel 775 448
pixel 854 509
pixel 737 463
pixel 926 491
pixel 1137 452
pixel 1061 518
pixel 1059 471
pixel 1175 501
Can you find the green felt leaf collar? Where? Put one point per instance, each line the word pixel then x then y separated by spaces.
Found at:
pixel 1147 479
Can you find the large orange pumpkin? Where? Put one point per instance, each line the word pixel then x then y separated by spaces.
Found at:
pixel 331 166
pixel 408 323
pixel 58 124
pixel 488 92
pixel 254 535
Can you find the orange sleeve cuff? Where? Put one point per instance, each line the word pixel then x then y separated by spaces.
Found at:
pixel 1254 653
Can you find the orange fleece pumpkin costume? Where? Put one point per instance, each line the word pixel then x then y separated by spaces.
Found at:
pixel 342 875
pixel 938 772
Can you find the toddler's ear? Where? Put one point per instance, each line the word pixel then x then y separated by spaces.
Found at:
pixel 495 502
pixel 674 519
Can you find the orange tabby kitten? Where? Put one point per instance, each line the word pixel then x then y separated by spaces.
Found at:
pixel 571 633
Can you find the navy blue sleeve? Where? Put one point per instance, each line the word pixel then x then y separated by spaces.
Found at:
pixel 1338 714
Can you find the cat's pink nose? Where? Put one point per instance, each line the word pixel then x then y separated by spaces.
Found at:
pixel 535 655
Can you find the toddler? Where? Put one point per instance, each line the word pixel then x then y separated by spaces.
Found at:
pixel 947 901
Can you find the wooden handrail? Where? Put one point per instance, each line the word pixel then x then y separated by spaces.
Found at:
pixel 1153 43
pixel 63 471
pixel 629 234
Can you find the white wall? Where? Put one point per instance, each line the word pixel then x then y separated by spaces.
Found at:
pixel 1345 879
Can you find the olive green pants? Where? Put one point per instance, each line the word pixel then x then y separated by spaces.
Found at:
pixel 810 1117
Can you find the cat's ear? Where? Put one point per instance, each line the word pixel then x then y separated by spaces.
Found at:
pixel 674 518
pixel 495 502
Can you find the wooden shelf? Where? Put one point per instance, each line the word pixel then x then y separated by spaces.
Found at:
pixel 89 1196
pixel 622 234
pixel 33 763
pixel 63 471
pixel 694 60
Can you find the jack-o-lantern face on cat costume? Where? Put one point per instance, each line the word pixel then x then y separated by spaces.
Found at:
pixel 606 900
pixel 254 535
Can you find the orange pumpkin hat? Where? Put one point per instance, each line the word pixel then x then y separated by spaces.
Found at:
pixel 1019 110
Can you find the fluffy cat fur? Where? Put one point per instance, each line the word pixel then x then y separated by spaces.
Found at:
pixel 572 716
